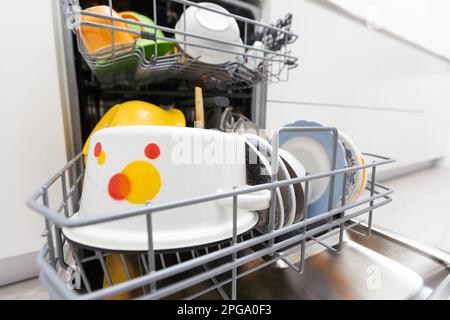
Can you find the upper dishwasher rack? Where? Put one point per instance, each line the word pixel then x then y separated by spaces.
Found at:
pixel 131 65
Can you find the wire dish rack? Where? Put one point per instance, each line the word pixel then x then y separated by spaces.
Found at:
pixel 212 270
pixel 134 64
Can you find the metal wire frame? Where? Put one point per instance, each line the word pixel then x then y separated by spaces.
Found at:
pixel 231 76
pixel 264 245
pixel 274 66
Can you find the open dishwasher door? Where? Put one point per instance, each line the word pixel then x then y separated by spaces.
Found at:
pixel 382 266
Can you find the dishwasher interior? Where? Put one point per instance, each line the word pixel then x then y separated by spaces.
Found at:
pixel 336 255
pixel 96 94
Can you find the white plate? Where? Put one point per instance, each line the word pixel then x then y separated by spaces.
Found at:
pixel 258 172
pixel 314 150
pixel 298 172
pixel 288 193
pixel 316 159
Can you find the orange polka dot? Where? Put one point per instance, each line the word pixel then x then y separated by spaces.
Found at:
pixel 119 186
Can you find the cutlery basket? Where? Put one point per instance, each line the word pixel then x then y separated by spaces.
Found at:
pixel 210 271
pixel 132 64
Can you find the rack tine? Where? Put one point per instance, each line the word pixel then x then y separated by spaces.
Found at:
pixel 150 250
pixel 64 193
pixel 125 266
pixel 234 255
pixel 142 272
pixel 48 227
pixel 333 167
pixel 155 20
pixel 245 33
pixel 104 267
pixel 144 263
pixel 113 44
pixel 373 184
pixel 215 283
pixel 80 266
pixel 184 27
pixel 301 267
pixel 341 231
pixel 372 192
pixel 163 262
pixel 73 168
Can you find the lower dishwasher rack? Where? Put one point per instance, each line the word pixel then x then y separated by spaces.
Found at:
pixel 335 255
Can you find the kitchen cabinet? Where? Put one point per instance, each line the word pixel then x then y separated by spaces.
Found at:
pixel 32 132
pixel 389 96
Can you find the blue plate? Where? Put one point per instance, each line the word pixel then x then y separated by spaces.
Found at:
pixel 314 150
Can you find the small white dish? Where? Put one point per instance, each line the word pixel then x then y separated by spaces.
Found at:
pixel 212 25
pixel 254 62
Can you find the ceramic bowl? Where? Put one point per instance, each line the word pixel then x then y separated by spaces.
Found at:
pixel 212 25
pixel 134 166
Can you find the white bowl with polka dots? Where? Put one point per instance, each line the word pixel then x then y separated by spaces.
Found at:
pixel 132 166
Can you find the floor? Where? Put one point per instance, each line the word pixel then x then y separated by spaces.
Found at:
pixel 420 208
pixel 25 290
pixel 419 211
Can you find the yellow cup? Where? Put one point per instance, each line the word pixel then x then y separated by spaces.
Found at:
pixel 137 113
pixel 99 40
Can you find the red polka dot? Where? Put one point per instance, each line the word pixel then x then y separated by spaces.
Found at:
pixel 119 186
pixel 97 149
pixel 152 151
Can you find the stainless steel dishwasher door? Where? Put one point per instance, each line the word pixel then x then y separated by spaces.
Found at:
pixel 382 266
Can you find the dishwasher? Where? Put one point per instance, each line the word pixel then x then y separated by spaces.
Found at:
pixel 335 255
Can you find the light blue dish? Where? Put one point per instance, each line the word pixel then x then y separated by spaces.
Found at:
pixel 325 138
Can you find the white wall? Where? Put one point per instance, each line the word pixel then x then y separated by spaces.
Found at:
pixel 424 22
pixel 31 129
pixel 391 98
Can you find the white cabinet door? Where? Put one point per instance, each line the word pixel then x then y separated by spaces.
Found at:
pixel 391 98
pixel 31 129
